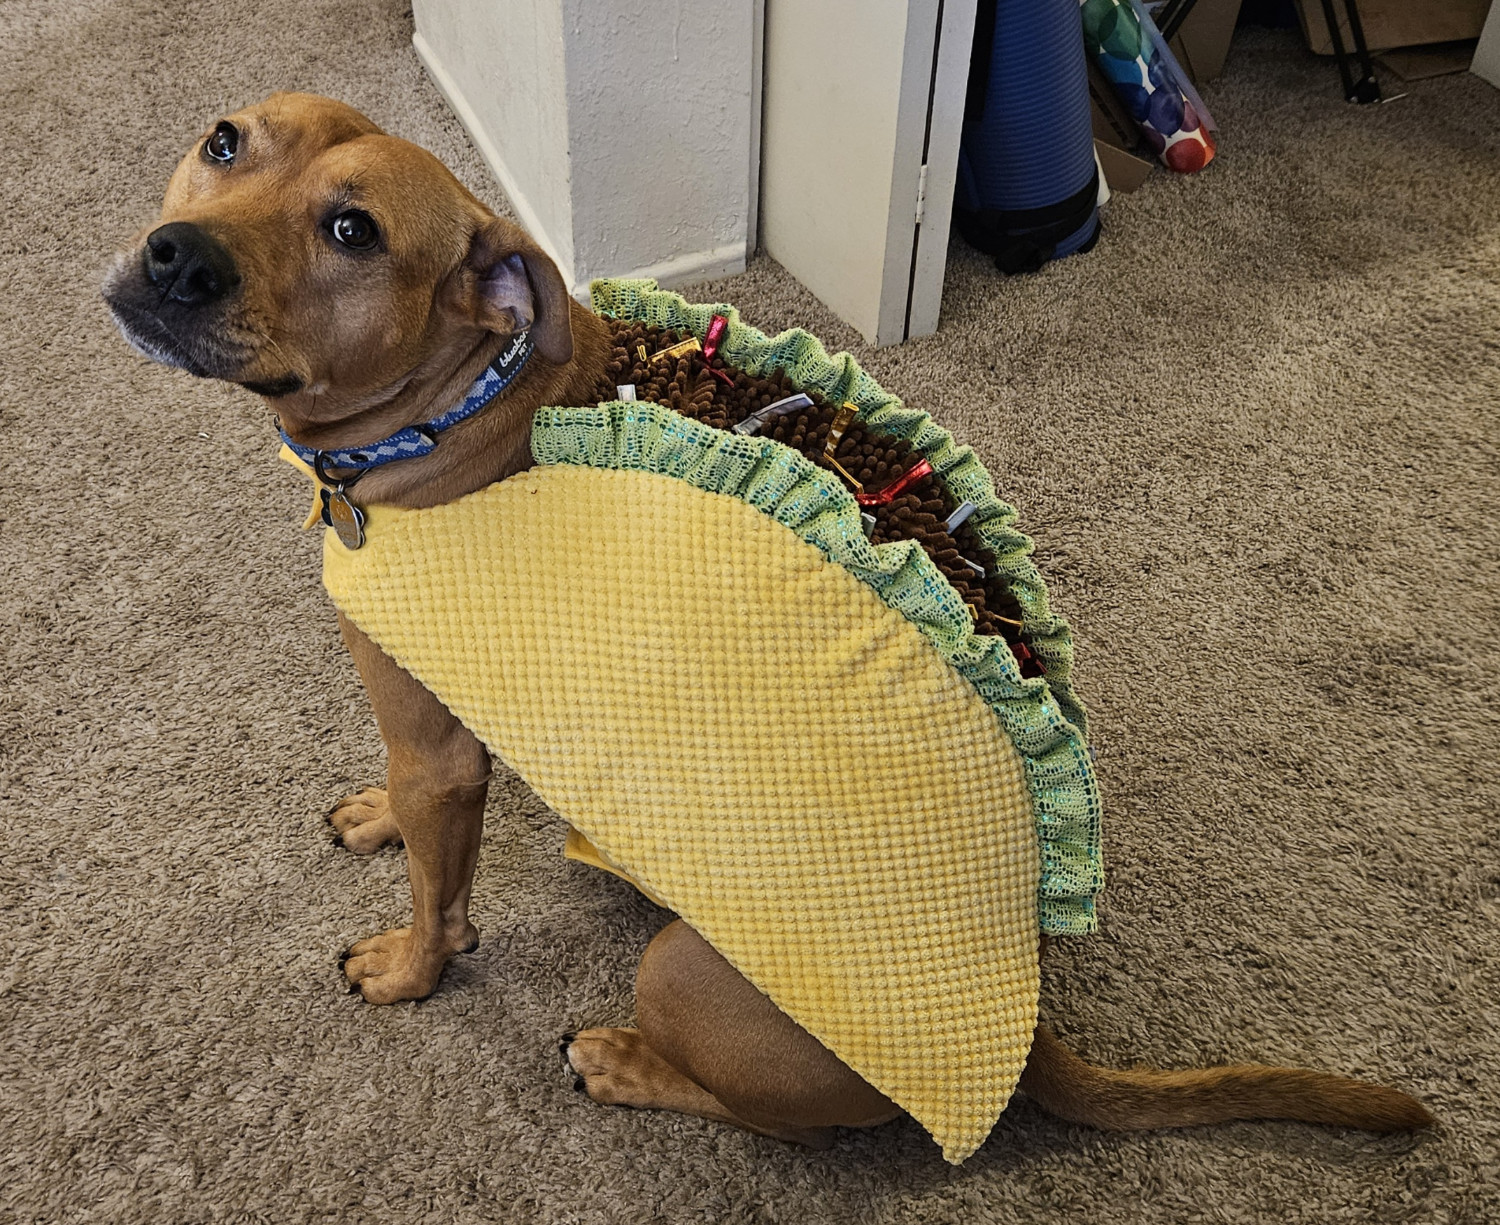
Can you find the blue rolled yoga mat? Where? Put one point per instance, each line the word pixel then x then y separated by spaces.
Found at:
pixel 1028 184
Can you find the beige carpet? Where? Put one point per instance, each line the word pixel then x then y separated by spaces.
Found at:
pixel 1254 434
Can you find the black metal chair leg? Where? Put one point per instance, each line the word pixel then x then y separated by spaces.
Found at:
pixel 1365 88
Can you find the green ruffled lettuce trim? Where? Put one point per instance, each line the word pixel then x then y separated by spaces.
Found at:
pixel 1042 716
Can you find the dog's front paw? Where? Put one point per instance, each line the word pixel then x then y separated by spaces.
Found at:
pixel 364 821
pixel 394 966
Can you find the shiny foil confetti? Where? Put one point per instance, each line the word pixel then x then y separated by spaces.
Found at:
pixel 718 328
pixel 841 422
pixel 680 349
pixel 958 517
pixel 787 404
pixel 897 487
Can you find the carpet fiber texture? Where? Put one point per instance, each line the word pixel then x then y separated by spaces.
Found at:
pixel 1253 433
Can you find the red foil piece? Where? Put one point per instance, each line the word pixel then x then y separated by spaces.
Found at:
pixel 717 326
pixel 1030 664
pixel 897 487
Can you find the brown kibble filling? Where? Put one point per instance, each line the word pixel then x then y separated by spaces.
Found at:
pixel 874 459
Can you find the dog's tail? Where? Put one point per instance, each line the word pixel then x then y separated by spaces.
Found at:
pixel 1064 1085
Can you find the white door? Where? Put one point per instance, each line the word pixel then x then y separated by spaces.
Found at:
pixel 862 108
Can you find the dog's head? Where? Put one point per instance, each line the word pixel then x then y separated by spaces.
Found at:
pixel 302 250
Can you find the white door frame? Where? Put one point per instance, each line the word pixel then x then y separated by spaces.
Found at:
pixel 863 107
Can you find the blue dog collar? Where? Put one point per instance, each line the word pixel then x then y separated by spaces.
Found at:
pixel 416 440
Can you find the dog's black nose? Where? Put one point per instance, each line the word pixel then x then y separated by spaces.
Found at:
pixel 188 264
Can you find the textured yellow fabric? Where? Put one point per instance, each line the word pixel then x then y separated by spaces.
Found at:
pixel 581 850
pixel 746 730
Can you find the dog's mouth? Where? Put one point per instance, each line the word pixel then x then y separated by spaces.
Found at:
pixel 201 344
pixel 274 388
pixel 150 337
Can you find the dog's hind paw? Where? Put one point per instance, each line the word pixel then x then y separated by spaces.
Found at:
pixel 616 1067
pixel 364 822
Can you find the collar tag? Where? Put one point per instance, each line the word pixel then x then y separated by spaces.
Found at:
pixel 345 518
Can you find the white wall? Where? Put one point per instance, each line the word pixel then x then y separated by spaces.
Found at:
pixel 500 65
pixel 621 130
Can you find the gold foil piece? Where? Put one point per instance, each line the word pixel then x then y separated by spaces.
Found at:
pixel 841 421
pixel 844 472
pixel 682 347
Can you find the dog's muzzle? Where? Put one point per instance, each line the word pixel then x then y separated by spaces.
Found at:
pixel 172 300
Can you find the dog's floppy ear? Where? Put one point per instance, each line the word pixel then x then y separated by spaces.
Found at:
pixel 508 283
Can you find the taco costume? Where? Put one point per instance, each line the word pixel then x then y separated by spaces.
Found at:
pixel 682 638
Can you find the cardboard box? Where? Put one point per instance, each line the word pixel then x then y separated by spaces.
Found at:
pixel 1432 60
pixel 1486 65
pixel 1203 41
pixel 1395 23
pixel 1122 171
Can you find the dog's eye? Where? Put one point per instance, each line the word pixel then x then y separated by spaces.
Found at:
pixel 356 229
pixel 222 143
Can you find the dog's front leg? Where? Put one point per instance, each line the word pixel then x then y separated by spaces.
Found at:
pixel 437 777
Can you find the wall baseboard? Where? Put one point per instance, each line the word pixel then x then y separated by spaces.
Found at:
pixel 680 270
pixel 694 266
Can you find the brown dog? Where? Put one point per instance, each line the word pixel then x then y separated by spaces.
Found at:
pixel 349 279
